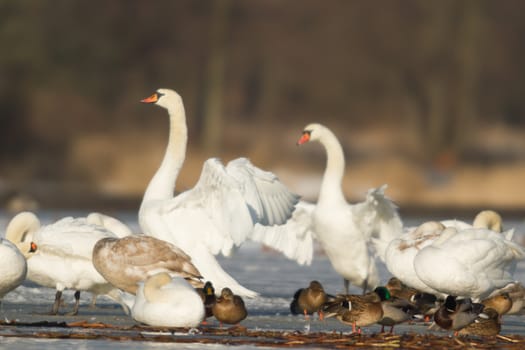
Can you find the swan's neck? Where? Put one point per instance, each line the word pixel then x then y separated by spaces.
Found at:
pixel 331 186
pixel 162 185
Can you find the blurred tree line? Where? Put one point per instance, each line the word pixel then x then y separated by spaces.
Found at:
pixel 439 69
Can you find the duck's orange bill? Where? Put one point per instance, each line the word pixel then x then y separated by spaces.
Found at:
pixel 304 138
pixel 152 99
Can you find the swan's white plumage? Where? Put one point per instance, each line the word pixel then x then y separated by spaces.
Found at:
pixel 471 263
pixel 347 232
pixel 13 267
pixel 114 225
pixel 402 251
pixel 216 215
pixel 165 301
pixel 62 259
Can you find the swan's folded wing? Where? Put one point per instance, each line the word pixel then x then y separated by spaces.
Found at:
pixel 70 237
pixel 270 202
pixel 114 225
pixel 294 238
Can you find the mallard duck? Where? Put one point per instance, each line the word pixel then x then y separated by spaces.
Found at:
pixel 501 303
pixel 456 314
pixel 425 303
pixel 395 310
pixel 229 308
pixel 208 297
pixel 487 324
pixel 309 300
pixel 517 295
pixel 356 310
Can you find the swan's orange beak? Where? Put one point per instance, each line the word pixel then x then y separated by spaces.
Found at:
pixel 152 99
pixel 304 138
pixel 32 247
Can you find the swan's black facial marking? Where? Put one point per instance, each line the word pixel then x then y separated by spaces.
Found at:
pixel 159 95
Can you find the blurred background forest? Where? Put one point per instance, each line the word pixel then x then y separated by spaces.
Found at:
pixel 427 96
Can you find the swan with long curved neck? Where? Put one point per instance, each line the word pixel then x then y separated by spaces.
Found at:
pixel 346 231
pixel 59 255
pixel 13 267
pixel 220 212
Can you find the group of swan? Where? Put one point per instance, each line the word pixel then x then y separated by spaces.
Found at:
pixel 455 258
pixel 233 203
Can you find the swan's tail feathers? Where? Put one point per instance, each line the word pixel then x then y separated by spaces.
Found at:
pixel 294 238
pixel 379 219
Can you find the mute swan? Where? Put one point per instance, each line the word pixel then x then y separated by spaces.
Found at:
pixel 13 267
pixel 401 251
pixel 59 255
pixel 219 213
pixel 166 301
pixel 126 261
pixel 229 308
pixel 345 231
pixel 470 263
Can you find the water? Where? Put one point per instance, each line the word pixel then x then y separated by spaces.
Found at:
pixel 263 270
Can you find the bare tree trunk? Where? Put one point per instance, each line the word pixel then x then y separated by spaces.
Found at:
pixel 213 100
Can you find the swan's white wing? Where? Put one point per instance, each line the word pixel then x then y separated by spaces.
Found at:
pixel 222 208
pixel 378 219
pixel 72 237
pixel 270 202
pixel 294 238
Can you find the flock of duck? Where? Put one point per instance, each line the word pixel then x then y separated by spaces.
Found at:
pixel 457 273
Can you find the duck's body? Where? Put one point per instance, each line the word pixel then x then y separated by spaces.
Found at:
pixel 356 310
pixel 470 263
pixel 165 301
pixel 346 231
pixel 126 261
pixel 486 326
pixel 229 308
pixel 13 267
pixel 395 310
pixel 456 314
pixel 59 255
pixel 220 212
pixel 309 300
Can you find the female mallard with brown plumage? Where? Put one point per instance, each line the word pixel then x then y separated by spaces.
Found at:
pixel 229 308
pixel 487 324
pixel 501 303
pixel 309 300
pixel 356 310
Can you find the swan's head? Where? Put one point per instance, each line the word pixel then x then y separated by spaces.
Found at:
pixel 312 132
pixel 165 98
pixel 20 232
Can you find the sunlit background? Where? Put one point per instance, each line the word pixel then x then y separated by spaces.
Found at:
pixel 427 96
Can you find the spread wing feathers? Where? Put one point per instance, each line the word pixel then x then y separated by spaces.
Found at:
pixel 269 200
pixel 73 237
pixel 378 219
pixel 225 204
pixel 294 238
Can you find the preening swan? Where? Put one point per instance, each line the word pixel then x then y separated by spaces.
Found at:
pixel 345 231
pixel 125 262
pixel 166 301
pixel 59 255
pixel 220 212
pixel 13 267
pixel 112 224
pixel 402 251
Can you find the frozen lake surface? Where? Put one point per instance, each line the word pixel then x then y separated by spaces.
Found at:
pixel 255 267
